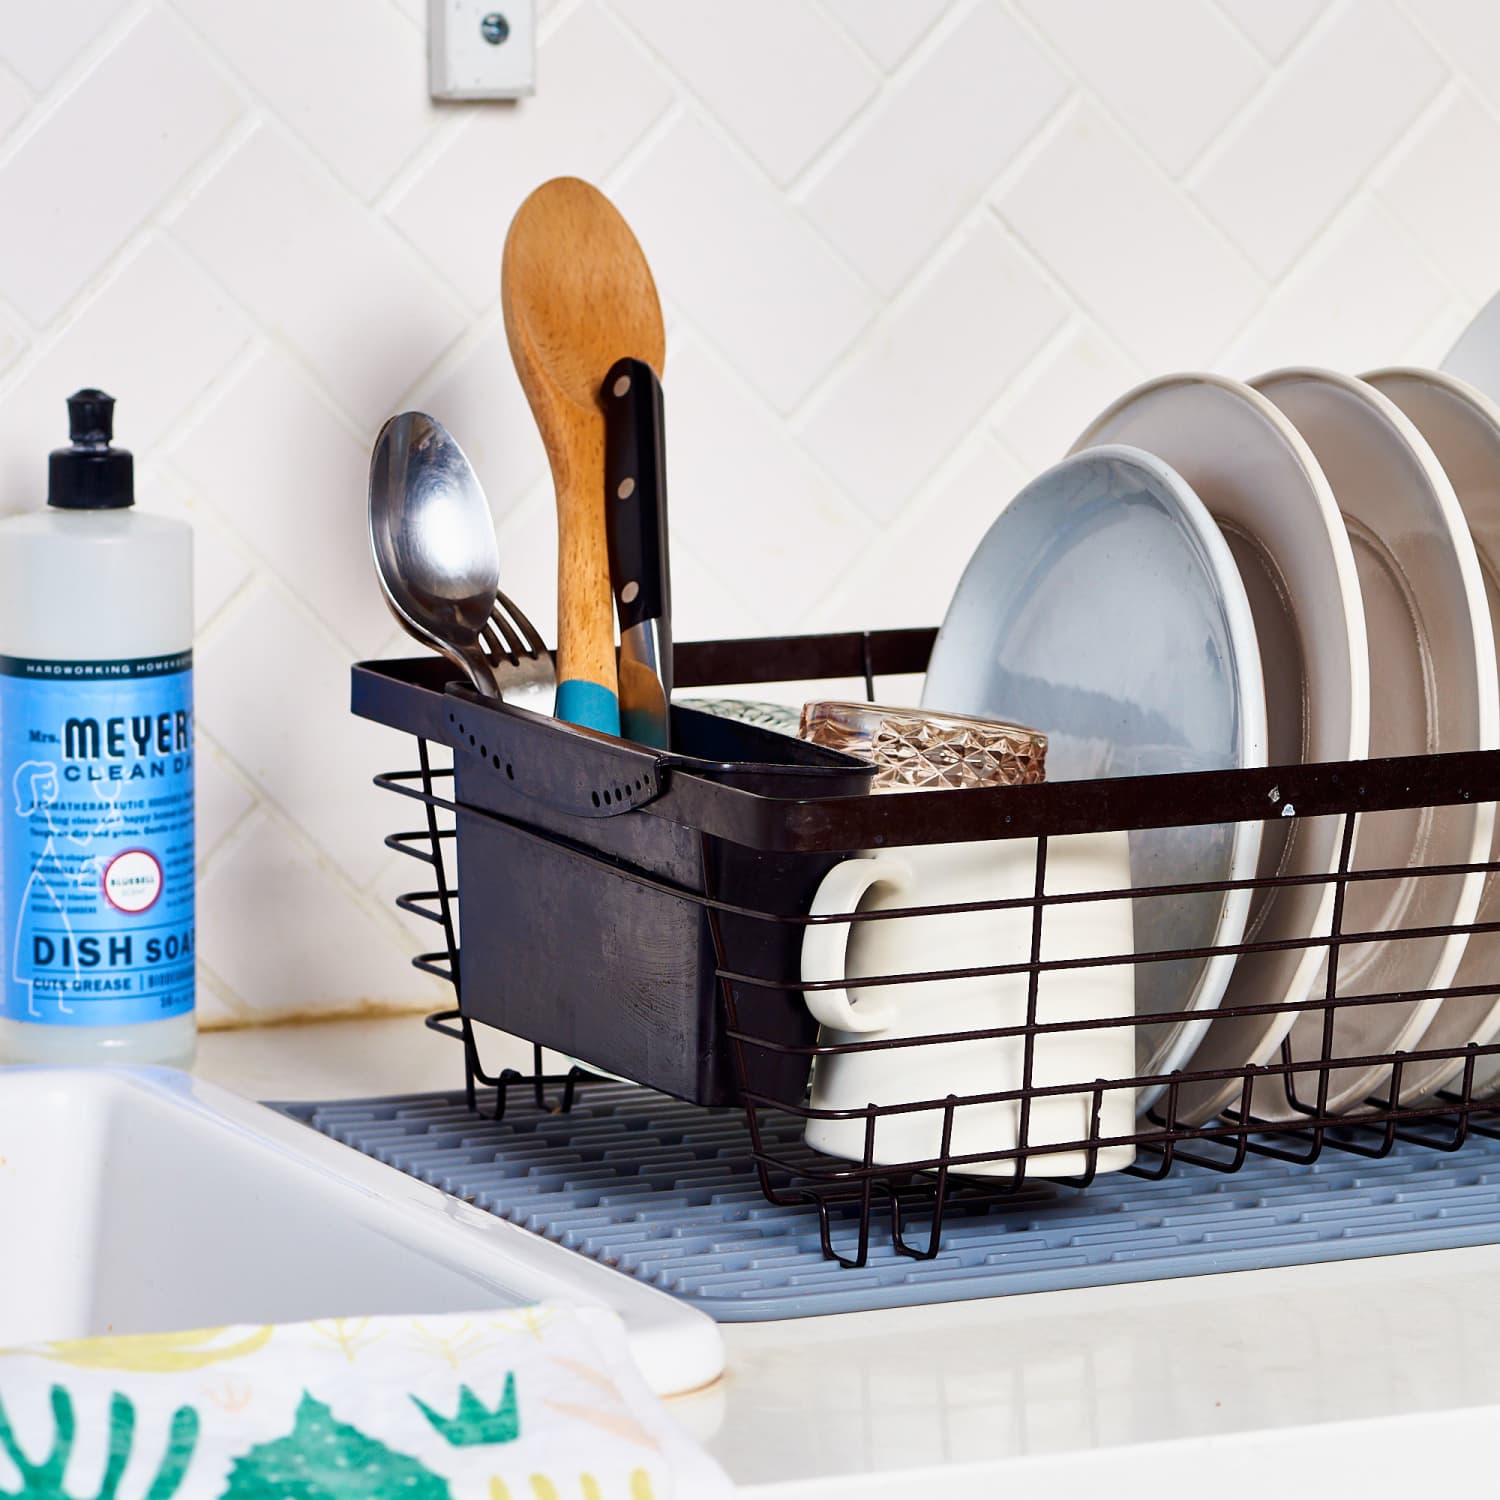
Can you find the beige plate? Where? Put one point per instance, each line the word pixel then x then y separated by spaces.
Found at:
pixel 1433 689
pixel 1263 486
pixel 1462 425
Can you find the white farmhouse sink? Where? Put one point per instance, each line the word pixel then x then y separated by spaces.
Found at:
pixel 138 1200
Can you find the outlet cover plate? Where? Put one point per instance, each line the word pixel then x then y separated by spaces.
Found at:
pixel 481 49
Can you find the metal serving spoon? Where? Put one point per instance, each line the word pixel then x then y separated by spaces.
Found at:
pixel 434 542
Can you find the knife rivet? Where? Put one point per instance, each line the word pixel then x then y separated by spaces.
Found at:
pixel 622 385
pixel 629 592
pixel 625 489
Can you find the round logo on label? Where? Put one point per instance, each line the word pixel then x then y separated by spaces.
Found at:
pixel 132 881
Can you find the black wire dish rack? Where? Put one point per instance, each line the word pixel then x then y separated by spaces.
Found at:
pixel 645 912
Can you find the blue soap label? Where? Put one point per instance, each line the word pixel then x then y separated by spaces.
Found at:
pixel 96 839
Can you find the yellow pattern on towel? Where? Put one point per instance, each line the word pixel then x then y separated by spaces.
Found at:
pixel 157 1353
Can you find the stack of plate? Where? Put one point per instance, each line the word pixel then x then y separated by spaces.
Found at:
pixel 1224 575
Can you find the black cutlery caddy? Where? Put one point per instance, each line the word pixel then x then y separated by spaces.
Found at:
pixel 644 912
pixel 609 958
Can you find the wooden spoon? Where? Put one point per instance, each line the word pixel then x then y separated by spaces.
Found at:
pixel 578 295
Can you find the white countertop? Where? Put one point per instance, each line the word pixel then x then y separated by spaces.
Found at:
pixel 1386 1369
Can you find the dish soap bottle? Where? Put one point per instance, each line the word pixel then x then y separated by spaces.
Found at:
pixel 96 766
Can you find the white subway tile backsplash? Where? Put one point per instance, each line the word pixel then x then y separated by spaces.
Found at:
pixel 743 264
pixel 216 1007
pixel 708 595
pixel 1430 347
pixel 1305 145
pixel 12 341
pixel 736 66
pixel 117 341
pixel 889 29
pixel 1433 186
pixel 747 499
pixel 914 565
pixel 301 254
pixel 923 156
pixel 1062 394
pixel 392 881
pixel 39 41
pixel 1173 96
pixel 528 557
pixel 906 249
pixel 1467 34
pixel 931 369
pixel 14 102
pixel 273 691
pixel 1128 245
pixel 302 508
pixel 343 74
pixel 1275 26
pixel 288 938
pixel 597 96
pixel 1320 315
pixel 478 398
pixel 221 567
pixel 157 103
pixel 222 796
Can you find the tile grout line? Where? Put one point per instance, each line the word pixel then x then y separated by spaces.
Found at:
pixel 83 62
pixel 832 15
pixel 794 192
pixel 265 107
pixel 1363 188
pixel 860 544
pixel 72 312
pixel 1233 21
pixel 272 812
pixel 1455 89
pixel 1063 63
pixel 1468 85
pixel 685 87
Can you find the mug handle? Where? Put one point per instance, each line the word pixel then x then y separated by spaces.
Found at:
pixel 825 945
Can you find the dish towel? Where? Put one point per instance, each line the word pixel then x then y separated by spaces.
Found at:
pixel 532 1403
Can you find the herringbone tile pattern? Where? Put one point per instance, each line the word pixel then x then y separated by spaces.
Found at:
pixel 907 248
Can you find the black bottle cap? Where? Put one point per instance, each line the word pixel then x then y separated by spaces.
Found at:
pixel 90 475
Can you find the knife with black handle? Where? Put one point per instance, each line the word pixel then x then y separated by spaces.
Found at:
pixel 635 508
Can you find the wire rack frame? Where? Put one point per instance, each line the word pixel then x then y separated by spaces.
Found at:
pixel 918 1194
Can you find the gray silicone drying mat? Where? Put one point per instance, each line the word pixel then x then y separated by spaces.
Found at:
pixel 665 1191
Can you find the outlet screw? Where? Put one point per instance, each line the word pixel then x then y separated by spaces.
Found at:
pixel 494 28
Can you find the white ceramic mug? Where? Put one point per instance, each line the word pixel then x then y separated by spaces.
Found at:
pixel 948 874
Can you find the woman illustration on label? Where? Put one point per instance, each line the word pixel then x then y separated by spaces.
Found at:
pixel 41 912
pixel 111 821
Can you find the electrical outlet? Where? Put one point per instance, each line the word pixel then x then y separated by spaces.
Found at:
pixel 481 49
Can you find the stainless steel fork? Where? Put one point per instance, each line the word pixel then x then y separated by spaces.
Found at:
pixel 519 658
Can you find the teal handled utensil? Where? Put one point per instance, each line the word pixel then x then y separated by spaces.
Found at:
pixel 577 295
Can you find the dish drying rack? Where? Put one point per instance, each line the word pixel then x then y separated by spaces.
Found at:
pixel 645 910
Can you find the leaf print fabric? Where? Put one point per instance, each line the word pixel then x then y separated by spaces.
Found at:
pixel 44 1481
pixel 323 1459
pixel 537 1404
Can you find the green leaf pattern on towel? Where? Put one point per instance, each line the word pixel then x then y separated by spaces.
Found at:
pixel 325 1459
pixel 473 1424
pixel 44 1481
pixel 320 1459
